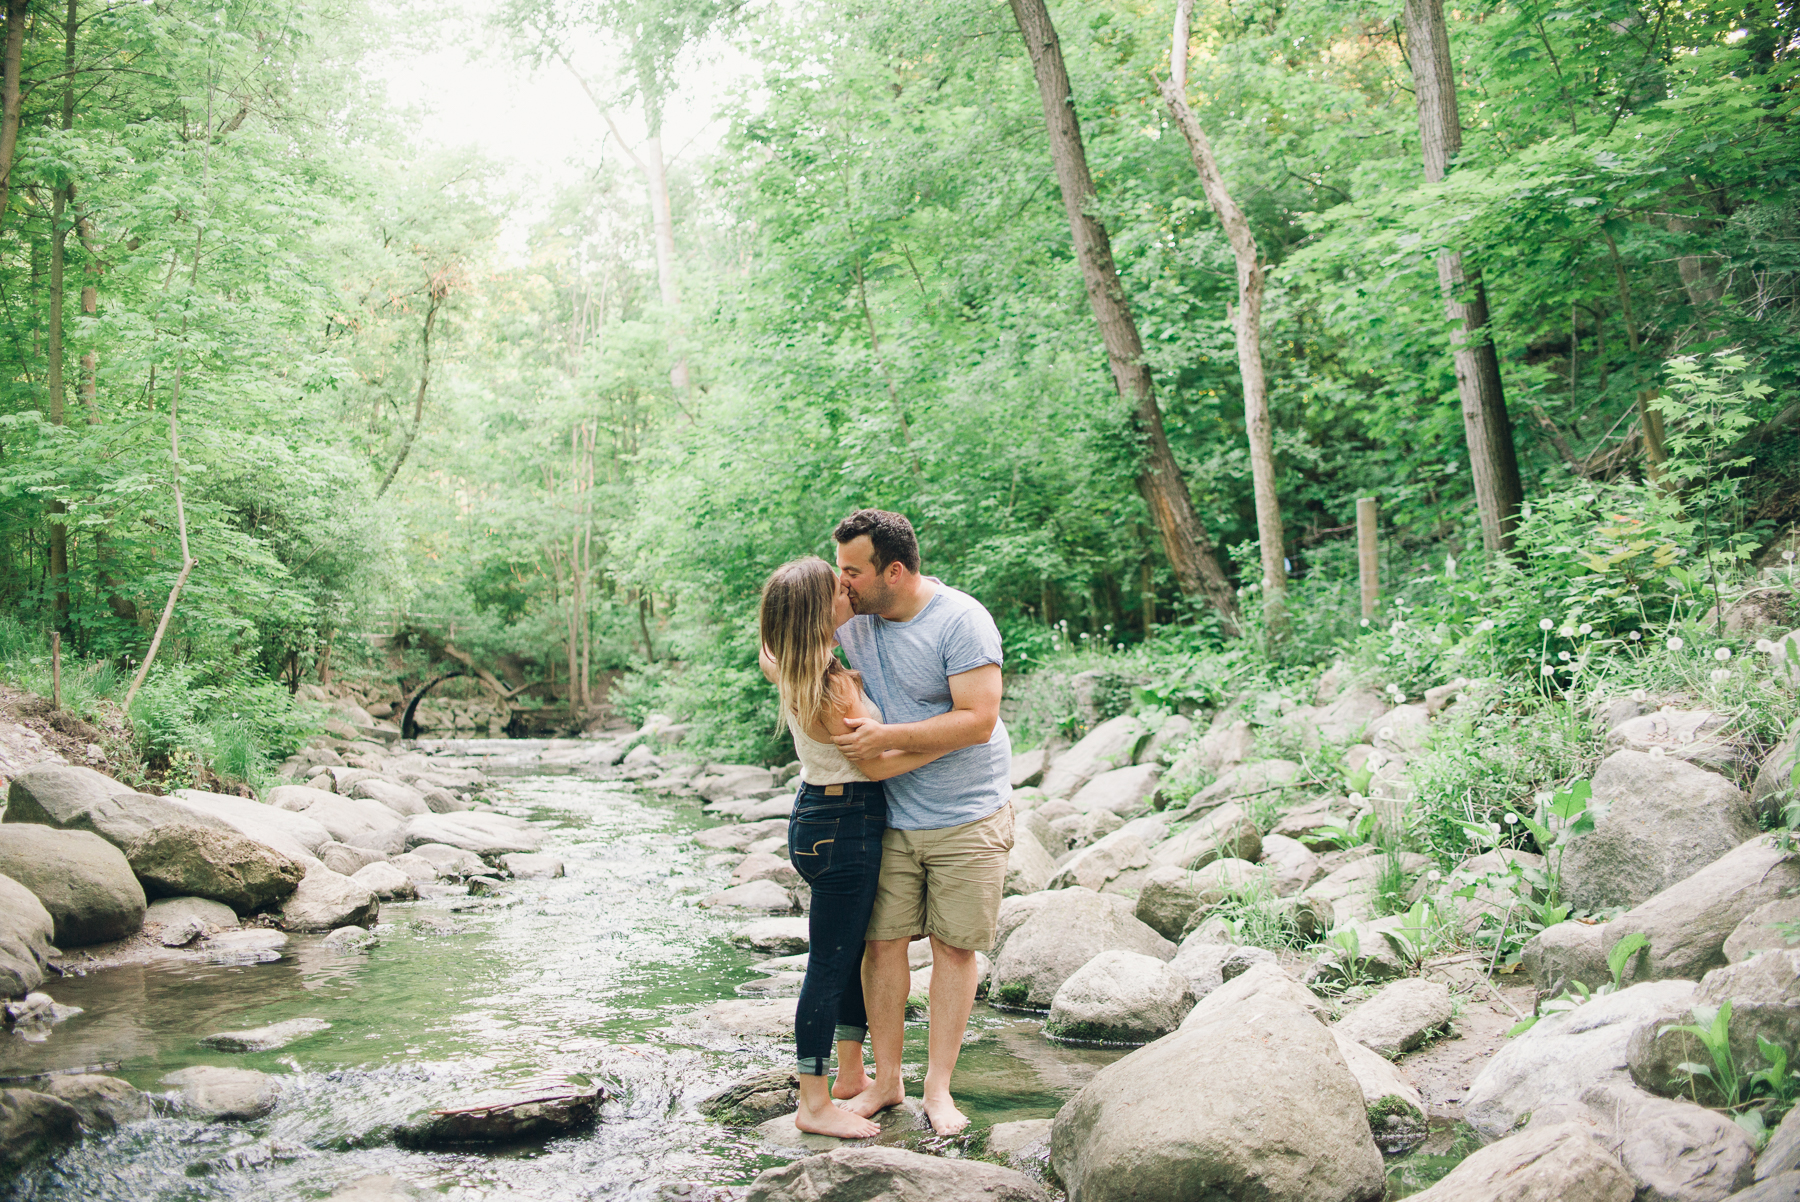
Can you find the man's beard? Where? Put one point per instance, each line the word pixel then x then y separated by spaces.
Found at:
pixel 872 598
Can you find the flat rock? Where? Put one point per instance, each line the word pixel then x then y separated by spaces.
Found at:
pixel 754 1099
pixel 293 835
pixel 1660 821
pixel 265 1039
pixel 851 1173
pixel 1092 867
pixel 526 866
pixel 763 895
pixel 82 880
pixel 1260 779
pixel 354 820
pixel 1208 965
pixel 207 1091
pixel 1689 922
pixel 1109 745
pixel 1398 1018
pixel 1021 1140
pixel 778 936
pixel 504 1122
pixel 1561 1162
pixel 69 797
pixel 1028 767
pixel 397 798
pixel 474 831
pixel 1225 833
pixel 773 1018
pixel 1122 791
pixel 254 946
pixel 1696 736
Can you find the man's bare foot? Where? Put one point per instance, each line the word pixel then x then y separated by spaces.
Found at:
pixel 945 1118
pixel 849 1083
pixel 832 1120
pixel 875 1099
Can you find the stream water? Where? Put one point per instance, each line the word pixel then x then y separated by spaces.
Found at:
pixel 468 999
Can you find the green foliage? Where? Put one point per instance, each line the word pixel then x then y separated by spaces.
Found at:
pixel 1712 1027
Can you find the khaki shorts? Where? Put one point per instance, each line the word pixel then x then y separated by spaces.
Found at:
pixel 945 882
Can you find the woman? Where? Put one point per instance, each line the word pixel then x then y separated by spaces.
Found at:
pixel 840 815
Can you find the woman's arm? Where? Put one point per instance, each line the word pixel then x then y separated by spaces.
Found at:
pixel 888 764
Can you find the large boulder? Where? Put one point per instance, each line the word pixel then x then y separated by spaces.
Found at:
pixel 1763 929
pixel 392 795
pixel 1689 922
pixel 1564 1055
pixel 1660 820
pixel 1555 1162
pixel 892 1175
pixel 84 881
pixel 1262 779
pixel 1398 1018
pixel 1092 867
pixel 1697 736
pixel 1110 745
pixel 33 1125
pixel 1134 1132
pixel 1292 865
pixel 103 1102
pixel 179 860
pixel 1168 899
pixel 1674 1151
pixel 69 797
pixel 1764 993
pixel 1028 866
pixel 1120 997
pixel 293 835
pixel 326 900
pixel 354 821
pixel 26 934
pixel 479 832
pixel 1559 956
pixel 1225 833
pixel 1123 791
pixel 1063 932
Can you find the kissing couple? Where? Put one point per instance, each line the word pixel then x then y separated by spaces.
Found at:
pixel 903 820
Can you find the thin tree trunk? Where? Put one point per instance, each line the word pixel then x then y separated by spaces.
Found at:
pixel 1247 325
pixel 1160 481
pixel 862 297
pixel 10 100
pixel 1493 462
pixel 187 559
pixel 437 297
pixel 59 237
pixel 1649 420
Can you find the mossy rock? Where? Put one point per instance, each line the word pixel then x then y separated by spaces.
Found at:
pixel 754 1099
pixel 1013 993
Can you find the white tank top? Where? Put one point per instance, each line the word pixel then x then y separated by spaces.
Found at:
pixel 823 763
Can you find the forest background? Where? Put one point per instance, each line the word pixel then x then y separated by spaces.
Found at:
pixel 563 425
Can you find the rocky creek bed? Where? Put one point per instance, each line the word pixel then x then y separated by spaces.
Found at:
pixel 580 959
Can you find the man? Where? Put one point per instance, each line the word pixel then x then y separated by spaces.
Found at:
pixel 930 660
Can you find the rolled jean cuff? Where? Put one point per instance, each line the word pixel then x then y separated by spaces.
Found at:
pixel 848 1033
pixel 813 1066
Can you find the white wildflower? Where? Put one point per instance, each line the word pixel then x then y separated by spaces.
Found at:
pixel 1722 654
pixel 1567 632
pixel 1545 623
pixel 1512 820
pixel 1563 656
pixel 1721 675
pixel 1586 628
pixel 1676 643
pixel 1635 635
pixel 1657 753
pixel 1547 670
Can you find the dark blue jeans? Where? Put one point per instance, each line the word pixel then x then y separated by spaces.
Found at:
pixel 834 841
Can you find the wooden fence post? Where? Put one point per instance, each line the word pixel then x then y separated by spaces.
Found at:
pixel 1367 557
pixel 55 670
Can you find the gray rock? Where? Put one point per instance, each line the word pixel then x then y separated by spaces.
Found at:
pixel 1559 1162
pixel 777 936
pixel 1028 767
pixel 1661 820
pixel 1782 1187
pixel 1689 922
pixel 767 1018
pixel 386 882
pixel 764 896
pixel 400 799
pixel 1558 956
pixel 354 820
pixel 1064 931
pixel 475 831
pixel 84 881
pixel 211 915
pixel 755 1099
pixel 26 931
pixel 1293 866
pixel 1120 997
pixel 1123 791
pixel 1384 1090
pixel 505 1122
pixel 1168 898
pixel 179 933
pixel 1129 1135
pixel 81 799
pixel 33 1125
pixel 349 939
pixel 418 868
pixel 1226 833
pixel 182 860
pixel 1220 749
pixel 207 1091
pixel 1029 866
pixel 1496 888
pixel 1564 1055
pixel 1092 867
pixel 265 1039
pixel 254 946
pixel 526 866
pixel 1774 785
pixel 1351 888
pixel 1761 930
pixel 1208 965
pixel 448 861
pixel 481 886
pixel 1078 830
pixel 734 780
pixel 893 1175
pixel 293 835
pixel 1398 1018
pixel 103 1103
pixel 1173 733
pixel 1021 1141
pixel 1110 745
pixel 1674 1151
pixel 326 899
pixel 1261 982
pixel 347 860
pixel 438 800
pixel 1262 779
pixel 1782 1153
pixel 1764 993
pixel 1696 736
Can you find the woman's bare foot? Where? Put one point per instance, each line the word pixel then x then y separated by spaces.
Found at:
pixel 945 1118
pixel 849 1083
pixel 876 1098
pixel 831 1120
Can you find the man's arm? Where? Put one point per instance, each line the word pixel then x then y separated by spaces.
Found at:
pixel 974 712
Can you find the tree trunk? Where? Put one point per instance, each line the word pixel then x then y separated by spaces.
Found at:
pixel 61 194
pixel 1492 461
pixel 1160 480
pixel 436 302
pixel 10 101
pixel 1247 325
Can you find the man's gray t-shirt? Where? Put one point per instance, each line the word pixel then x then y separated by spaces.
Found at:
pixel 906 669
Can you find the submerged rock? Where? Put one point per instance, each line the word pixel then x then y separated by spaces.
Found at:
pixel 255 946
pixel 504 1122
pixel 853 1174
pixel 754 1099
pixel 33 1125
pixel 225 1093
pixel 103 1102
pixel 265 1039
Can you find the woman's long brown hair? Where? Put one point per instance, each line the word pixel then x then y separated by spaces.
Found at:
pixel 796 628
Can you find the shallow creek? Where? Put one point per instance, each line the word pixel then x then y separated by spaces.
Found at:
pixel 467 1000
